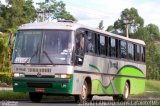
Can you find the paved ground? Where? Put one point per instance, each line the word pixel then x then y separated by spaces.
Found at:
pixel 97 101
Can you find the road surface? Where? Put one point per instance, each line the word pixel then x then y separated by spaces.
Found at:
pixel 97 101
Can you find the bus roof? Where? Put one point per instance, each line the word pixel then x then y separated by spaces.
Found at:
pixel 72 26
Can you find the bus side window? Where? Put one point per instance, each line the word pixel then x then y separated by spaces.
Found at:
pixel 90 42
pixel 106 40
pixel 130 51
pixel 142 54
pixel 80 38
pixel 102 45
pixel 137 53
pixel 122 49
pixel 113 47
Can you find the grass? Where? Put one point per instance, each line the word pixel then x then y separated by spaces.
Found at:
pixel 151 85
pixel 152 90
pixel 10 95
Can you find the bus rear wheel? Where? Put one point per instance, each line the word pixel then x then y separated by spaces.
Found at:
pixel 126 91
pixel 125 95
pixel 35 97
pixel 84 94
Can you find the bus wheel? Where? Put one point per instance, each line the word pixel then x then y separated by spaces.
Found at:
pixel 35 97
pixel 124 96
pixel 126 91
pixel 89 98
pixel 84 94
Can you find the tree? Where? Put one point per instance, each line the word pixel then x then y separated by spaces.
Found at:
pixel 29 13
pixel 54 10
pixel 147 33
pixel 142 33
pixel 15 8
pixel 12 15
pixel 152 60
pixel 16 13
pixel 100 26
pixel 110 28
pixel 131 17
pixel 3 17
pixel 153 31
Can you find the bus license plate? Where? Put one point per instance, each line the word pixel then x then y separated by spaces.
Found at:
pixel 39 89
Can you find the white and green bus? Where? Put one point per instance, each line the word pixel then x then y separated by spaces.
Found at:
pixel 66 58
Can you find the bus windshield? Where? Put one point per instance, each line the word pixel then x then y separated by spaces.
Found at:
pixel 43 47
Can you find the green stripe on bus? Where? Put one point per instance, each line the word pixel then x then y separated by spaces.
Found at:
pixel 95 67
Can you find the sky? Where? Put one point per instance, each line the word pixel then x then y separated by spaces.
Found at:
pixel 91 12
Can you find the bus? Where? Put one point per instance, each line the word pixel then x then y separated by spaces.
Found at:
pixel 70 59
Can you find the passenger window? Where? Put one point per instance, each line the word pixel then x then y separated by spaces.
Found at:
pixel 142 54
pixel 123 49
pixel 113 47
pixel 79 48
pixel 102 45
pixel 90 42
pixel 137 53
pixel 131 51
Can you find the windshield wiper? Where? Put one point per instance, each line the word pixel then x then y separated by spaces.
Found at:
pixel 48 57
pixel 34 54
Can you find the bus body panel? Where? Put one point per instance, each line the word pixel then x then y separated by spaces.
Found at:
pixel 108 76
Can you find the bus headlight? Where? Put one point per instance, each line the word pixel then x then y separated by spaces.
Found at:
pixel 18 75
pixel 62 76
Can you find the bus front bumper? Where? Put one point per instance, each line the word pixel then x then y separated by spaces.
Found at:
pixel 43 85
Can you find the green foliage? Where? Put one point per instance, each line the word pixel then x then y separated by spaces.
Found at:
pixel 16 13
pixel 153 31
pixel 1 45
pixel 5 77
pixel 131 17
pixel 153 90
pixel 142 33
pixel 10 95
pixel 110 28
pixel 151 85
pixel 29 12
pixel 100 26
pixel 152 61
pixel 55 10
pixel 5 55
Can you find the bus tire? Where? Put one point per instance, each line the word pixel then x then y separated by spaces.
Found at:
pixel 35 97
pixel 124 96
pixel 89 98
pixel 82 98
pixel 126 93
